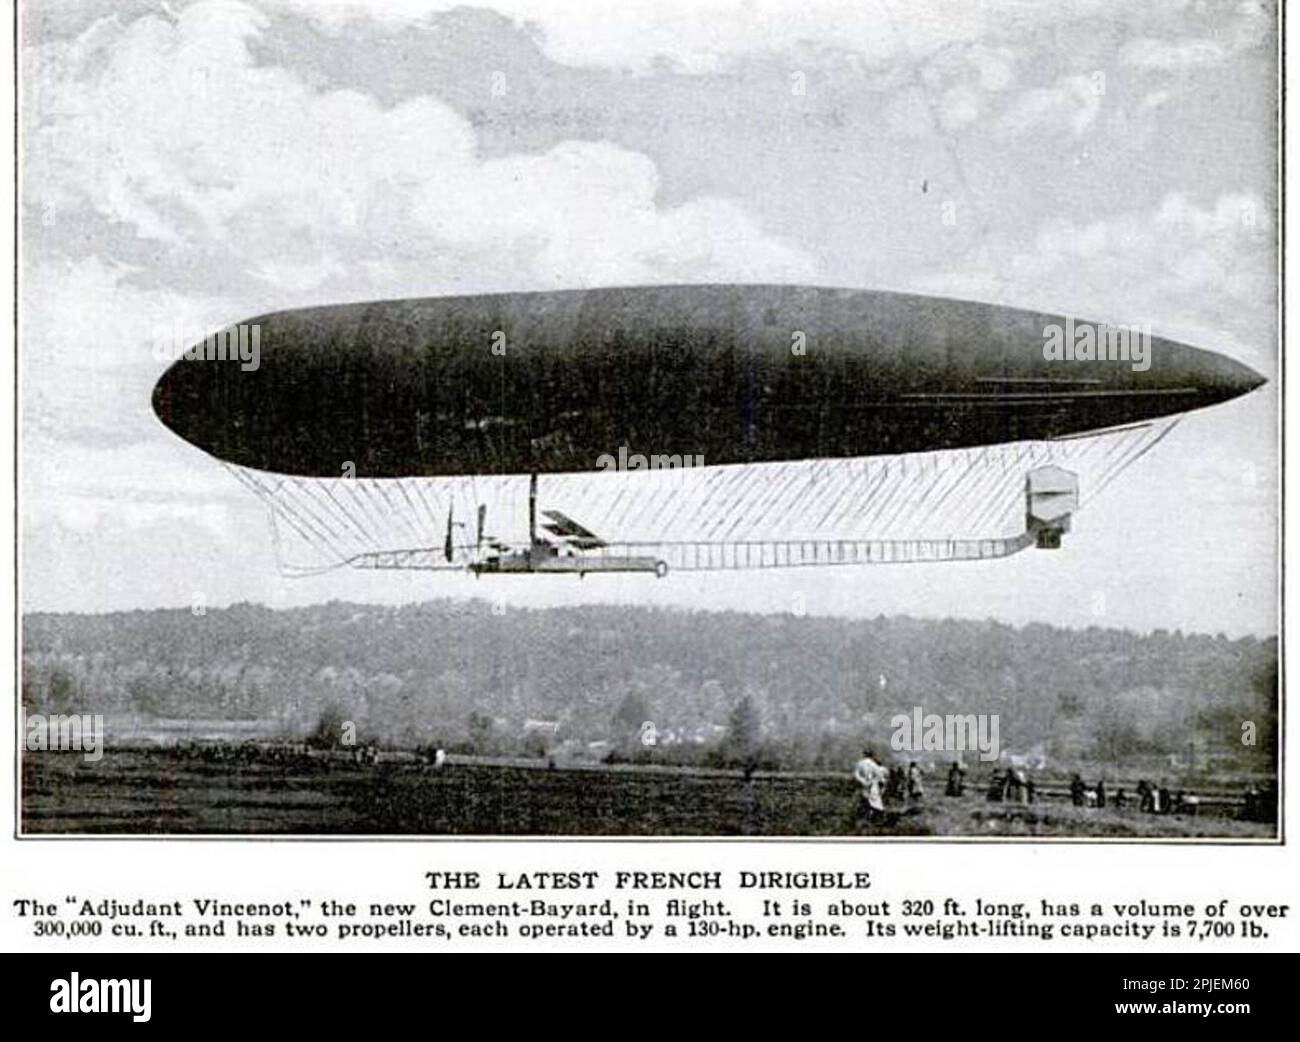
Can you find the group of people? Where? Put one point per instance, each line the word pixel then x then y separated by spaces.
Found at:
pixel 1082 796
pixel 897 785
pixel 1151 799
pixel 880 783
pixel 1012 785
pixel 1157 799
pixel 1260 803
pixel 900 786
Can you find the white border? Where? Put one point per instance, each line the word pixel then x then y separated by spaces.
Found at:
pixel 393 871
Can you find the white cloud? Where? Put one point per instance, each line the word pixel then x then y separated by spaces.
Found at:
pixel 1250 27
pixel 703 36
pixel 959 107
pixel 174 131
pixel 1171 55
pixel 115 512
pixel 708 36
pixel 213 164
pixel 90 353
pixel 995 66
pixel 1073 101
pixel 592 206
pixel 1192 271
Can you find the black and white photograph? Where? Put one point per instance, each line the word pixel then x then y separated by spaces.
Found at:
pixel 839 420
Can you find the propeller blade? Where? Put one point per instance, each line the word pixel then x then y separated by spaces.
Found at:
pixel 482 522
pixel 447 546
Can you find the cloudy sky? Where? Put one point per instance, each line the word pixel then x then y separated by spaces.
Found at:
pixel 200 163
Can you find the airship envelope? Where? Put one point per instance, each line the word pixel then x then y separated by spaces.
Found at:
pixel 712 426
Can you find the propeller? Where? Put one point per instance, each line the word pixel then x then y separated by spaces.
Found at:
pixel 482 521
pixel 447 546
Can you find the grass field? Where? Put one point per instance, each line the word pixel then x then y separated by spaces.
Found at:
pixel 158 791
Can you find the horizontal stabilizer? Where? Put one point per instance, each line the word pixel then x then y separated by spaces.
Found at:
pixel 571 532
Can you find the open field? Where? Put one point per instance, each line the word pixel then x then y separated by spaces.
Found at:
pixel 159 791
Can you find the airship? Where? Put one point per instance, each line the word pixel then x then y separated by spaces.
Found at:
pixel 698 427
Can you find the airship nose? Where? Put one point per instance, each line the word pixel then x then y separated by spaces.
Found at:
pixel 1248 379
pixel 1220 378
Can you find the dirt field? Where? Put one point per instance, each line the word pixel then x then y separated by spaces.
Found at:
pixel 158 791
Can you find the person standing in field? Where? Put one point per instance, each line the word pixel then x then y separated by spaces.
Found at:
pixel 915 783
pixel 1015 785
pixel 870 776
pixel 1078 791
pixel 956 779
